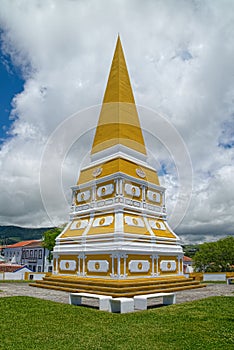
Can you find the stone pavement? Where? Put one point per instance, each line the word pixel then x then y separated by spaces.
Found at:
pixel 23 289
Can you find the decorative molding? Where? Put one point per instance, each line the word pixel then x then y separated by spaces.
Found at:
pixel 153 196
pixel 140 173
pixel 133 221
pixel 131 190
pixel 168 265
pixel 119 222
pixel 98 266
pixel 68 265
pixel 79 224
pixel 83 196
pixel 97 172
pixel 109 201
pixel 82 207
pixel 105 190
pixel 103 221
pixel 157 225
pixel 119 151
pixel 128 201
pixel 139 266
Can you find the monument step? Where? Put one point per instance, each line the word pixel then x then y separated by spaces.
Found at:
pixel 115 289
pixel 127 288
pixel 120 294
pixel 119 283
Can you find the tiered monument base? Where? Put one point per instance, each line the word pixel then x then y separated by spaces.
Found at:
pixel 117 288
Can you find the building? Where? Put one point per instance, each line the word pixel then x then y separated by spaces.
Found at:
pixel 29 253
pixel 10 271
pixel 2 259
pixel 187 264
pixel 1 249
pixel 13 252
pixel 7 267
pixel 35 256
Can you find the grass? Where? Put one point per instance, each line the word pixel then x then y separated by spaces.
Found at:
pixel 30 323
pixel 214 282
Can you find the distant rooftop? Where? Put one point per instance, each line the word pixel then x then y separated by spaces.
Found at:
pixel 22 244
pixel 186 258
pixel 11 267
pixel 34 244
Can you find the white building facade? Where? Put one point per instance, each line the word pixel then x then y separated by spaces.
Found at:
pixel 29 253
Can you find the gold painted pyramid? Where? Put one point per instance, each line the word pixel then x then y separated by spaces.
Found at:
pixel 118 121
pixel 118 228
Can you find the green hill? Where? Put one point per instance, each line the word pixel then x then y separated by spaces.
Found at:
pixel 14 234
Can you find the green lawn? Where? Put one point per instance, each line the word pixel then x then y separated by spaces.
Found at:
pixel 30 323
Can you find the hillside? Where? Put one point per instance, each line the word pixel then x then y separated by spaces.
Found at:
pixel 14 234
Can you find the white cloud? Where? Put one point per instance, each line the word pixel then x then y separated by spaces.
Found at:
pixel 180 59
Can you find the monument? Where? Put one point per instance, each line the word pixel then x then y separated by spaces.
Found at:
pixel 118 240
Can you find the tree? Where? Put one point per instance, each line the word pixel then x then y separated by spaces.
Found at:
pixel 49 240
pixel 216 256
pixel 190 249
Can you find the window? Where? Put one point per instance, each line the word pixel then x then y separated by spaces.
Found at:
pixel 31 253
pixel 23 254
pixel 40 254
pixel 35 253
pixel 26 254
pixel 50 269
pixel 34 268
pixel 39 269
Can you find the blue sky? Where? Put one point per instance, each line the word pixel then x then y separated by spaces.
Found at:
pixel 61 53
pixel 11 83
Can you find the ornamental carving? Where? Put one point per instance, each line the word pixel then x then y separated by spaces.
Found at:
pixel 140 173
pixel 105 190
pixel 139 266
pixel 97 172
pixel 98 266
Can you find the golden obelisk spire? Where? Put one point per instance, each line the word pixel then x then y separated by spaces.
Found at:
pixel 118 121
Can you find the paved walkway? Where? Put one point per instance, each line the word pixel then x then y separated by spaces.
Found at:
pixel 23 289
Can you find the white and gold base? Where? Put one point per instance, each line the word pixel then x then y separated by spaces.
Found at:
pixel 118 265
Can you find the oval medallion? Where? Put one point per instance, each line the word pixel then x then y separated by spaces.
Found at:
pixel 97 172
pixel 140 172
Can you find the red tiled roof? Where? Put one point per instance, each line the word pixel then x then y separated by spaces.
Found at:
pixel 34 244
pixel 10 267
pixel 21 244
pixel 186 258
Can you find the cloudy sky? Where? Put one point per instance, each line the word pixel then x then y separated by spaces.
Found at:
pixel 55 59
